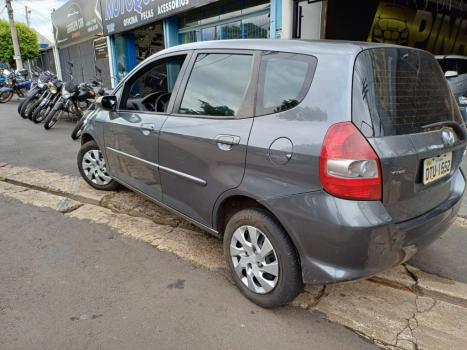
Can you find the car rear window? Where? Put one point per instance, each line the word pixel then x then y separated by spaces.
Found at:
pixel 284 80
pixel 397 91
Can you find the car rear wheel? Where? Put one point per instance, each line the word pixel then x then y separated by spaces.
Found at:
pixel 262 259
pixel 93 169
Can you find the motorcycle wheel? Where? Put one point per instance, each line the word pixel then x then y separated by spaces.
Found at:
pixel 23 93
pixel 52 118
pixel 77 131
pixel 6 97
pixel 29 110
pixel 26 103
pixel 20 106
pixel 40 115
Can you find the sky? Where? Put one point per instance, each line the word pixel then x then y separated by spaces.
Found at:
pixel 39 16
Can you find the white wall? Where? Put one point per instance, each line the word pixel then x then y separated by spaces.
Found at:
pixel 287 19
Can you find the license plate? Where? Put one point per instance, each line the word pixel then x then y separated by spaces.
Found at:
pixel 437 167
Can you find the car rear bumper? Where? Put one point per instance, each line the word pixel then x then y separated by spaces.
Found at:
pixel 341 240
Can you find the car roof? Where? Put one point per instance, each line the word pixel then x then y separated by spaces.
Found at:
pixel 337 47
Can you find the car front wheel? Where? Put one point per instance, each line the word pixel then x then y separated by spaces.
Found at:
pixel 262 259
pixel 93 169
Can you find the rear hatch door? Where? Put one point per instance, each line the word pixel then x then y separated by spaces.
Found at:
pixel 402 103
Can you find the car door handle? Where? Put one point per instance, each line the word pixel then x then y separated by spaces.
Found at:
pixel 147 128
pixel 225 142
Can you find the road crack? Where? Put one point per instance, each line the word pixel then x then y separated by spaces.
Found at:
pixel 423 304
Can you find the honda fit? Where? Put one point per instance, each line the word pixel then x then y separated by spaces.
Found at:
pixel 315 162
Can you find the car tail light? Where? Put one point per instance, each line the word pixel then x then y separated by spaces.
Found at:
pixel 349 167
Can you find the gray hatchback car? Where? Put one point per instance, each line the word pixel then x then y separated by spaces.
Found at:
pixel 315 162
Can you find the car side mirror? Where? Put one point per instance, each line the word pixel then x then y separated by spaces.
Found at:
pixel 451 74
pixel 107 103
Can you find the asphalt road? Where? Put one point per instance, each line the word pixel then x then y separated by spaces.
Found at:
pixel 25 143
pixel 69 284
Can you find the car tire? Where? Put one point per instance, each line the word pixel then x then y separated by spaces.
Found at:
pixel 92 167
pixel 288 282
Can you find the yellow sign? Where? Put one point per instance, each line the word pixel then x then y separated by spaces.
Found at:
pixel 436 32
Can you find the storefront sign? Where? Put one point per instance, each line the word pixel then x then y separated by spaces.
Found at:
pixel 77 21
pixel 122 15
pixel 101 49
pixel 439 33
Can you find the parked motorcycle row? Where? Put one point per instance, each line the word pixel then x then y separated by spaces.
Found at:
pixel 48 99
pixel 13 83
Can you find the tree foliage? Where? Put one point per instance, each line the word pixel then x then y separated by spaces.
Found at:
pixel 28 43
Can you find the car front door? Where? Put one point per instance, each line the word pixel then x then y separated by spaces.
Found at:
pixel 131 134
pixel 202 145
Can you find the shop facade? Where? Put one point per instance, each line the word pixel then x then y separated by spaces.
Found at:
pixel 80 40
pixel 138 29
pixel 437 26
pixel 116 35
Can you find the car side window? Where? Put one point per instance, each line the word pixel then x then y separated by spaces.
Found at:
pixel 217 85
pixel 284 81
pixel 151 89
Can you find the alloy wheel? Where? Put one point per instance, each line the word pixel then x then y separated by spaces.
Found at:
pixel 254 259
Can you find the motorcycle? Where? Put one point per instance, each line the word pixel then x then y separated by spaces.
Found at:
pixel 73 100
pixel 29 103
pixel 51 97
pixel 16 84
pixel 99 92
pixel 35 75
pixel 4 72
pixel 78 130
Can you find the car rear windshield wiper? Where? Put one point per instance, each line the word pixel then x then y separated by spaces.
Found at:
pixel 449 123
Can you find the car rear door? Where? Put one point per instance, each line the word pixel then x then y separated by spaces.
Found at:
pixel 202 145
pixel 402 104
pixel 131 134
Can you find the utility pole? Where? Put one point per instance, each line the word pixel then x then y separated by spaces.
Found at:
pixel 27 11
pixel 14 36
pixel 28 22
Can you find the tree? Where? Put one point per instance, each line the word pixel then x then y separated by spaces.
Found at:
pixel 28 43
